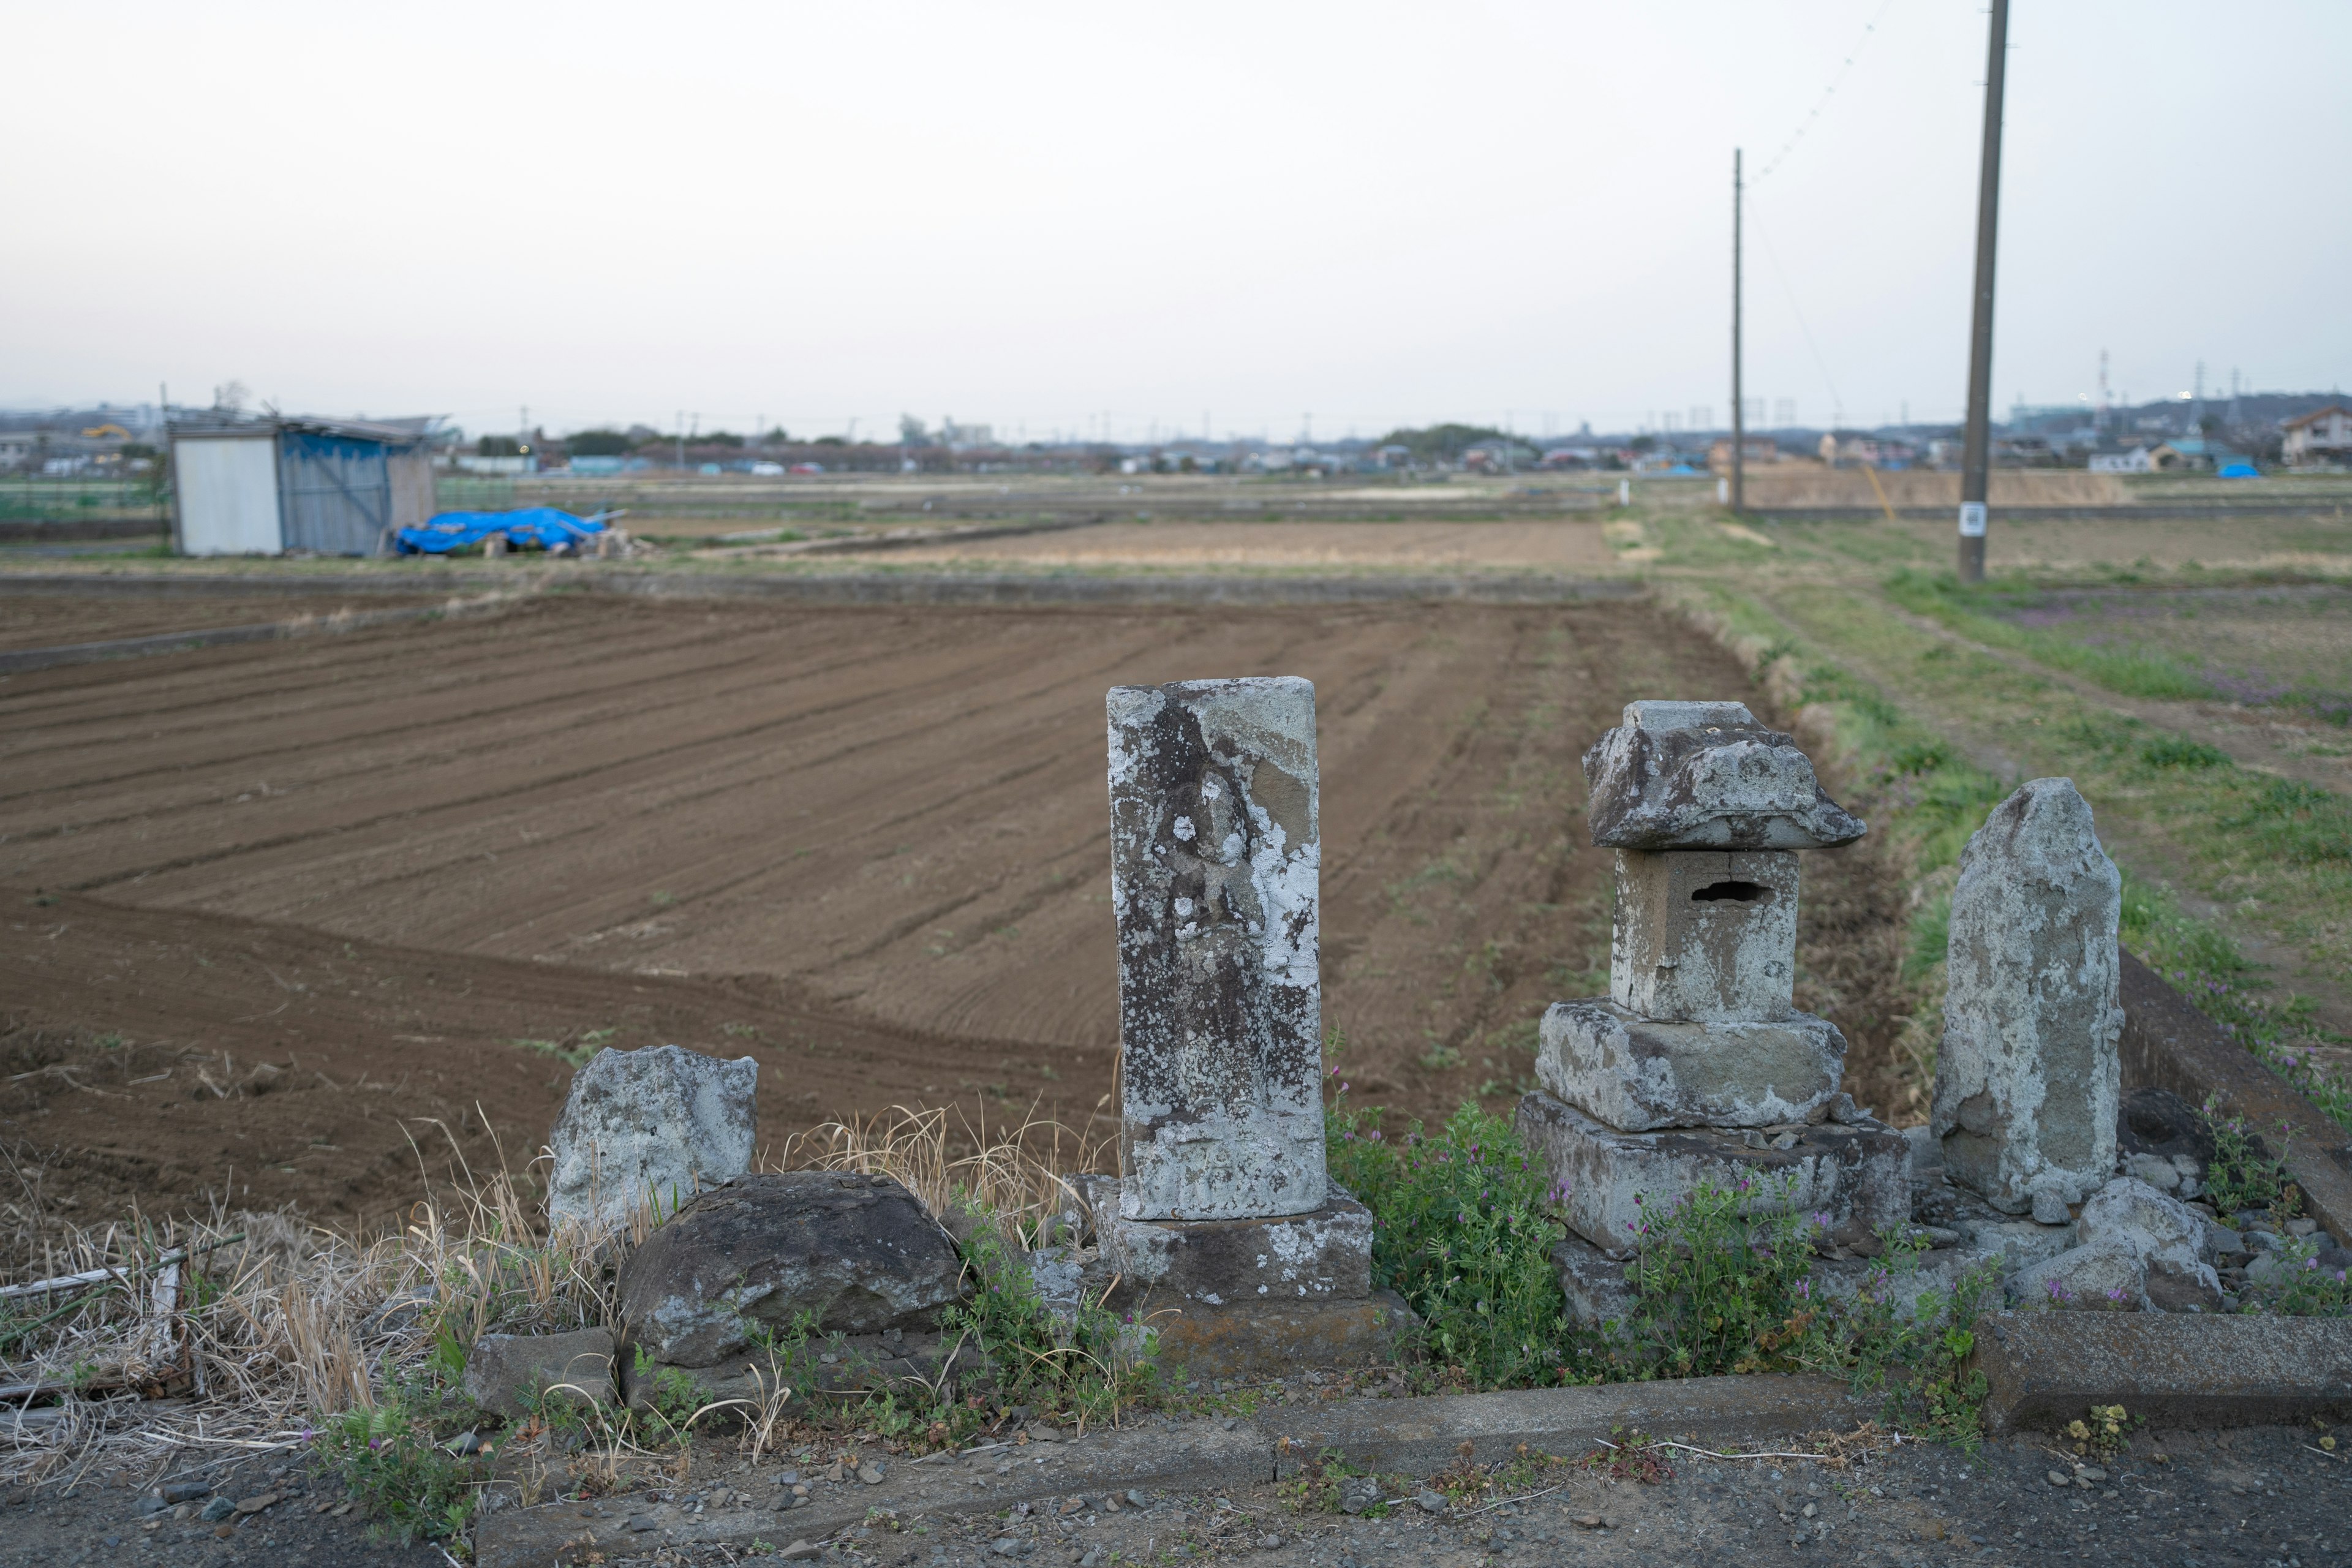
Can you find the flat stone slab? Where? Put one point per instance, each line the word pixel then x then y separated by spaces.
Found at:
pixel 2167 1044
pixel 508 1373
pixel 1857 1177
pixel 2046 1369
pixel 1424 1435
pixel 1277 1339
pixel 1706 775
pixel 1638 1074
pixel 1325 1255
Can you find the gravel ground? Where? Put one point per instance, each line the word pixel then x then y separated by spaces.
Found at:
pixel 2256 1496
pixel 2259 1495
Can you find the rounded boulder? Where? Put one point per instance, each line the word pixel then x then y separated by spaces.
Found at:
pixel 855 1254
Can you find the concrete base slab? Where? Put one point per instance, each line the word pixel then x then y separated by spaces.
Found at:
pixel 1639 1073
pixel 1423 1435
pixel 1323 1255
pixel 1857 1175
pixel 1196 1455
pixel 1277 1339
pixel 2046 1369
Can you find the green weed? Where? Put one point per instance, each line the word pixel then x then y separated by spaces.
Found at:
pixel 2243 1174
pixel 1463 1236
pixel 2173 752
pixel 1088 1365
pixel 389 1456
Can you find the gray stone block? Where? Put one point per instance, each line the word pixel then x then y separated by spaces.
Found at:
pixel 1612 1183
pixel 2168 1370
pixel 858 1254
pixel 1325 1255
pixel 647 1130
pixel 2105 1276
pixel 1706 775
pixel 1215 851
pixel 508 1373
pixel 1638 1074
pixel 2168 1237
pixel 2028 1082
pixel 1704 934
pixel 2014 1243
pixel 1277 1339
pixel 1594 1282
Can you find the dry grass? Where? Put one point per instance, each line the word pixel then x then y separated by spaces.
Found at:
pixel 275 1324
pixel 1014 1174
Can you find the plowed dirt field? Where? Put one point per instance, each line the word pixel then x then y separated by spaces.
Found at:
pixel 269 913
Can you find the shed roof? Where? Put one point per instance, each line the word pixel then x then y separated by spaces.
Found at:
pixel 216 425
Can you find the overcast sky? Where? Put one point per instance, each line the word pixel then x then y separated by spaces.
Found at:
pixel 1040 216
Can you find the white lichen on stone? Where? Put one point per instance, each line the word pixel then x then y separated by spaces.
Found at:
pixel 2028 1079
pixel 1215 859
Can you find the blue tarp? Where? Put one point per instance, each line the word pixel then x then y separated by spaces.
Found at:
pixel 2240 471
pixel 548 527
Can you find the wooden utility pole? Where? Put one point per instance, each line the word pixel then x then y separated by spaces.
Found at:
pixel 1976 450
pixel 1739 410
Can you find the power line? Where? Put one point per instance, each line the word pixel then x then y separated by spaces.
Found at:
pixel 1837 404
pixel 1823 101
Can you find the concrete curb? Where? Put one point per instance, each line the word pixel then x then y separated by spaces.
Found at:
pixel 1410 1435
pixel 2167 1044
pixel 1202 1455
pixel 2046 1369
pixel 1422 1434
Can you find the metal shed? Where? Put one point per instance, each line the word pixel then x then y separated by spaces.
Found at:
pixel 269 485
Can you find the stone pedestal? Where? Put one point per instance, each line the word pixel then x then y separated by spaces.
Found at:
pixel 1324 1255
pixel 1638 1074
pixel 1855 1175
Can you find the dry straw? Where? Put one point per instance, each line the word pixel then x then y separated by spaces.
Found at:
pixel 273 1323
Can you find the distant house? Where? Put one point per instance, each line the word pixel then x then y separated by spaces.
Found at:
pixel 1758 450
pixel 2322 436
pixel 2138 460
pixel 2179 454
pixel 1871 451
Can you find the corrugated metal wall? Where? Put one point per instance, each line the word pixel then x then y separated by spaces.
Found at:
pixel 334 493
pixel 226 495
pixel 411 486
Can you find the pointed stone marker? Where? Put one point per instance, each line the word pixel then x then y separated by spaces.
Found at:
pixel 2027 1081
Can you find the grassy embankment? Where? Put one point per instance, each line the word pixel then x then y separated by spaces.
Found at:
pixel 1939 700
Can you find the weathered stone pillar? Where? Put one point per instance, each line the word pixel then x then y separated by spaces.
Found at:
pixel 1226 1230
pixel 1215 860
pixel 2028 1079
